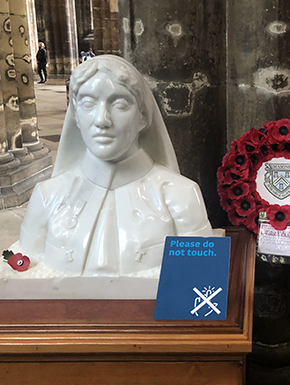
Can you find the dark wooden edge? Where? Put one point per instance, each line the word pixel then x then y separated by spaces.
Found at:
pixel 115 316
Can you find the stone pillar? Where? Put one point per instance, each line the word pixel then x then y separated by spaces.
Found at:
pixel 61 36
pixel 8 82
pixel 7 160
pixel 24 74
pixel 180 46
pixel 23 159
pixel 33 36
pixel 71 32
pixel 84 23
pixel 98 27
pixel 115 34
pixel 9 110
pixel 3 136
pixel 258 64
pixel 39 12
pixel 106 27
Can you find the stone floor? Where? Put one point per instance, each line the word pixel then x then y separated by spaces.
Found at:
pixel 51 106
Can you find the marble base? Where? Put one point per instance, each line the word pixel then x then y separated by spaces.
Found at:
pixel 79 288
pixel 41 281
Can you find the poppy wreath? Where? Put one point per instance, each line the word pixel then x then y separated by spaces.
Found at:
pixel 237 176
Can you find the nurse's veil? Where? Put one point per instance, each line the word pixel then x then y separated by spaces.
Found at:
pixel 154 139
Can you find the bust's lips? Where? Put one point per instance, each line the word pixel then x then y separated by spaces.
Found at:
pixel 104 138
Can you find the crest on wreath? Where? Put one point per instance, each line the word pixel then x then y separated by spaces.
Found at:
pixel 277 179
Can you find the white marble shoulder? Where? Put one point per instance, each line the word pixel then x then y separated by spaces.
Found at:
pixel 183 199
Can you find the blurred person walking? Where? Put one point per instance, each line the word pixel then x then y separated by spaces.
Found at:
pixel 41 58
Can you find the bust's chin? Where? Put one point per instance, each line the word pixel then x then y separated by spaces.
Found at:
pixel 107 153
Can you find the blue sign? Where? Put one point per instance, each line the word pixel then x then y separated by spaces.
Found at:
pixel 194 276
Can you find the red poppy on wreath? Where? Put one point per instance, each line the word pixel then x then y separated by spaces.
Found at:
pixel 238 190
pixel 234 217
pixel 251 141
pixel 237 175
pixel 259 201
pixel 239 160
pixel 231 175
pixel 252 221
pixel 245 206
pixel 225 203
pixel 278 132
pixel 278 216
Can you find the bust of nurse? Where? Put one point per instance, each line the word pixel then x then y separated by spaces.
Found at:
pixel 116 191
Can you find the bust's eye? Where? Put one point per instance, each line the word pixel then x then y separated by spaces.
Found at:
pixel 120 104
pixel 87 103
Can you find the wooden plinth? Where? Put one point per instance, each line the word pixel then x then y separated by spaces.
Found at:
pixel 86 342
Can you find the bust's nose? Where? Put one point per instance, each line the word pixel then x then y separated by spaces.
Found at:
pixel 102 116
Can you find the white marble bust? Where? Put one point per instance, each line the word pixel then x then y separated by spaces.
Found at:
pixel 116 191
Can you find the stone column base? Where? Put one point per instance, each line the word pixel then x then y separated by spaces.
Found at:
pixel 37 149
pixel 16 185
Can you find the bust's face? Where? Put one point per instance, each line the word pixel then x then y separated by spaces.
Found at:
pixel 108 117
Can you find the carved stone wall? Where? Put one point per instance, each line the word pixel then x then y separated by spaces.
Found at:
pixel 180 46
pixel 23 159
